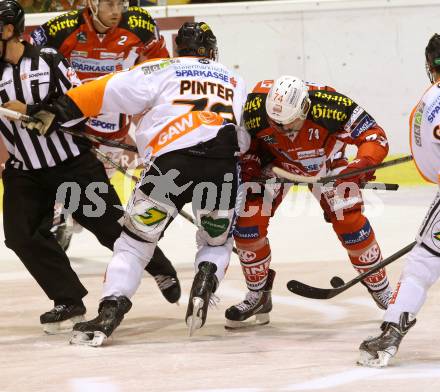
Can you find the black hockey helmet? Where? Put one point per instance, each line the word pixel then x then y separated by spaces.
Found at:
pixel 11 12
pixel 196 39
pixel 432 56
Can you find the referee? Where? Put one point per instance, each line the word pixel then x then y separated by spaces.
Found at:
pixel 39 165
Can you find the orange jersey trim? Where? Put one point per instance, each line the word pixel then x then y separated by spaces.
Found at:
pixel 181 126
pixel 89 96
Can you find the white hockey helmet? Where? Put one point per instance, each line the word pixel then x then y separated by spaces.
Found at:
pixel 288 100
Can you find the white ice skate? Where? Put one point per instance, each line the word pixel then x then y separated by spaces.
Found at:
pixel 92 339
pixel 377 351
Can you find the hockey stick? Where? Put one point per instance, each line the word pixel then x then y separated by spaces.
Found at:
pixel 366 185
pixel 183 213
pixel 101 140
pixel 318 293
pixel 323 179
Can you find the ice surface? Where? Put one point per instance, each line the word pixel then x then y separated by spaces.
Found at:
pixel 309 345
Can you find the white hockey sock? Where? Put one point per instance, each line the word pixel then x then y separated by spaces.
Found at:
pixel 219 255
pixel 421 271
pixel 124 273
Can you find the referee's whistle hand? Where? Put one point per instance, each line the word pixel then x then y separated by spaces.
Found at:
pixel 16 106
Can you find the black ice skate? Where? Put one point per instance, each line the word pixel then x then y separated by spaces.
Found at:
pixel 204 284
pixel 377 352
pixel 165 275
pixel 256 303
pixel 95 332
pixel 61 318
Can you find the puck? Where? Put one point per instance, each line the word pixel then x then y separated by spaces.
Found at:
pixel 336 282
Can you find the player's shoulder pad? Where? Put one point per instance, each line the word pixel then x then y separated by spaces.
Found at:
pixel 139 21
pixel 254 113
pixel 312 86
pixel 263 86
pixel 330 109
pixel 56 30
pixel 150 66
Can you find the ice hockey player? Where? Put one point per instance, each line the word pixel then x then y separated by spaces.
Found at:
pixel 305 128
pixel 38 166
pixel 194 143
pixel 422 265
pixel 103 37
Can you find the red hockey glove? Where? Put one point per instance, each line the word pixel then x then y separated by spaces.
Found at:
pixel 359 163
pixel 250 167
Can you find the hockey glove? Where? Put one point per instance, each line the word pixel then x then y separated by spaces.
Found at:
pixel 49 117
pixel 43 123
pixel 250 167
pixel 359 163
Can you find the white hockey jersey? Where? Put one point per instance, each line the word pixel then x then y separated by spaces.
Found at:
pixel 184 101
pixel 425 134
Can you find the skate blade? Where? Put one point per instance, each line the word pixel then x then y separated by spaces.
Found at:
pixel 260 319
pixel 92 339
pixel 62 326
pixel 195 321
pixel 366 359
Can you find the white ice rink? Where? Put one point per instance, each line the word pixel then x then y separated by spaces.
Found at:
pixel 310 345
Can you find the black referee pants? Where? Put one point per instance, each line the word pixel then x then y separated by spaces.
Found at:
pixel 28 202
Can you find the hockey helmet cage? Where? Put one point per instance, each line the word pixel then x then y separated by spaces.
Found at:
pixel 196 39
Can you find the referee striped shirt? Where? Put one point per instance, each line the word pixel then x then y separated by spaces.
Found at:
pixel 40 72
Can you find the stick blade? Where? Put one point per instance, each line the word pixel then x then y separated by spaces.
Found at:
pixel 307 291
pixel 281 173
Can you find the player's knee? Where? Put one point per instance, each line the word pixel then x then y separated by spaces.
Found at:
pixel 147 218
pixel 351 222
pixel 251 245
pixel 249 237
pixel 215 228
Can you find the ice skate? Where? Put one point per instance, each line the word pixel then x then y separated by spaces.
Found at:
pixel 381 297
pixel 169 286
pixel 95 332
pixel 256 303
pixel 204 284
pixel 377 352
pixel 165 275
pixel 61 318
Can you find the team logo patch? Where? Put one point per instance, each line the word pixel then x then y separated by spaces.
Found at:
pixel 39 36
pixel 81 37
pixel 371 255
pixel 246 255
pixel 214 227
pixel 435 234
pixel 246 232
pixel 357 236
pixel 151 216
